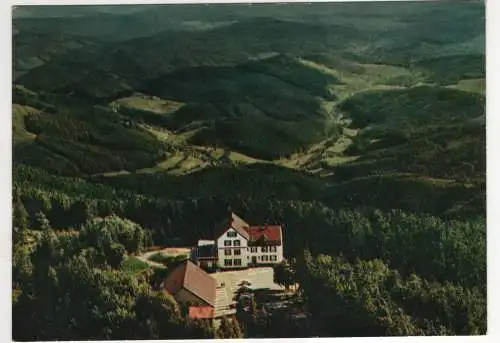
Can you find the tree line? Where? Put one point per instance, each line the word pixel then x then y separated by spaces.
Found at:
pixel 368 298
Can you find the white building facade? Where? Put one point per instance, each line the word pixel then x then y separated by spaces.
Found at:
pixel 239 245
pixel 232 249
pixel 261 255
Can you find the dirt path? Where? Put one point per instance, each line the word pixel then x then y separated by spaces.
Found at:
pixel 167 251
pixel 145 258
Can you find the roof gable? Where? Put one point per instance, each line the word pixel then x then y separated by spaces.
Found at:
pixel 200 283
pixel 194 279
pixel 235 222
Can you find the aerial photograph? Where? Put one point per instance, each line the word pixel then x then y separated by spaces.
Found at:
pixel 271 170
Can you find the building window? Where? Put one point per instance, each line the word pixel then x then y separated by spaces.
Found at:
pixel 237 243
pixel 263 249
pixel 227 252
pixel 273 258
pixel 272 249
pixel 228 262
pixel 265 258
pixel 227 243
pixel 253 249
pixel 237 262
pixel 231 234
pixel 237 251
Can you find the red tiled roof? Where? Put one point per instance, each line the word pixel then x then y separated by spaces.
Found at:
pixel 270 234
pixel 236 223
pixel 192 278
pixel 201 312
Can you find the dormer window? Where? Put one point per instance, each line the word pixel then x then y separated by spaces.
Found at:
pixel 231 234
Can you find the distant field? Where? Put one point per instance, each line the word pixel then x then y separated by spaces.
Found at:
pixel 19 131
pixel 148 103
pixel 471 85
pixel 357 77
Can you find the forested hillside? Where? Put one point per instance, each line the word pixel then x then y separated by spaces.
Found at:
pixel 358 127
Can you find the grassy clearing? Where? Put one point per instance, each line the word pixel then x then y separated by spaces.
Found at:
pixel 355 77
pixel 178 163
pixel 195 158
pixel 167 260
pixel 116 173
pixel 471 85
pixel 19 132
pixel 336 160
pixel 133 265
pixel 218 153
pixel 148 103
pixel 173 138
pixel 376 77
pixel 190 158
pixel 322 156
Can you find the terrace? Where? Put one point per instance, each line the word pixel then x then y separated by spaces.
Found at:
pixel 230 282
